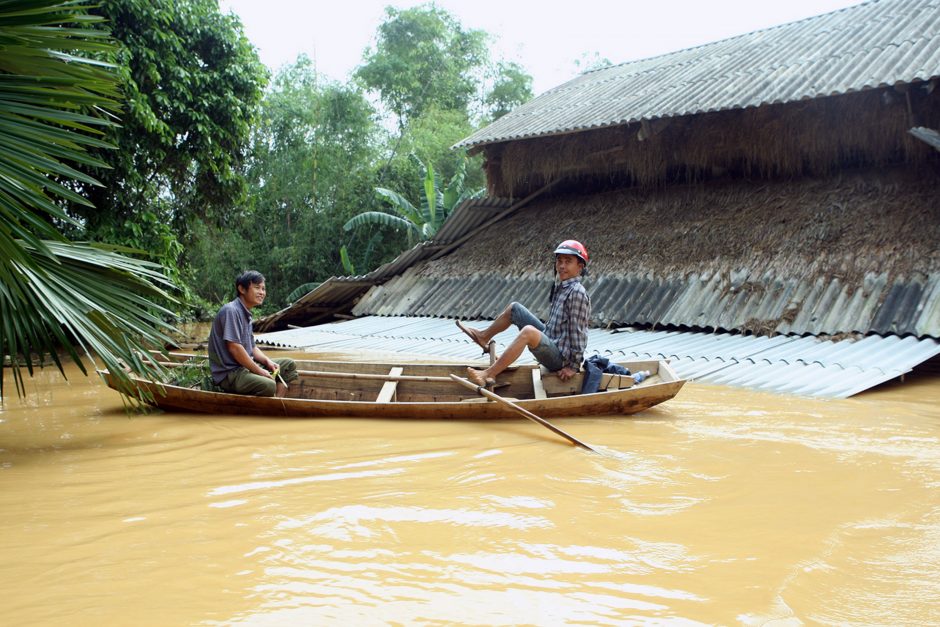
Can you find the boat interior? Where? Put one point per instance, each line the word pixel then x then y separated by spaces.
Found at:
pixel 396 382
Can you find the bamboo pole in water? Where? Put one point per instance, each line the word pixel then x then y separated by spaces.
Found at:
pixel 520 410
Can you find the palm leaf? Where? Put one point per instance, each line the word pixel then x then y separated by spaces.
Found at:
pixel 346 261
pixel 86 299
pixel 454 187
pixel 301 290
pixel 401 205
pixel 52 103
pixel 380 218
pixel 430 200
pixel 90 301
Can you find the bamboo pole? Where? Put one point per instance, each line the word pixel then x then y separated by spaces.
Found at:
pixel 373 377
pixel 520 410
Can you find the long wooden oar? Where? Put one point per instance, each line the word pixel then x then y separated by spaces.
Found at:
pixel 345 375
pixel 520 410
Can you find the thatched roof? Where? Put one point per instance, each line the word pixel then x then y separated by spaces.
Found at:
pixel 871 45
pixel 857 253
pixel 872 220
pixel 812 138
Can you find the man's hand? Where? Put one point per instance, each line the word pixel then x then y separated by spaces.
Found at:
pixel 566 373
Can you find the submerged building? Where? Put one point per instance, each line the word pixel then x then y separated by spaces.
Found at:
pixel 762 210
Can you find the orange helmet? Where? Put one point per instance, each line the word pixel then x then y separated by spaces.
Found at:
pixel 573 247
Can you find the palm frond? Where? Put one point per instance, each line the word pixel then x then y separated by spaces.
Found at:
pixel 86 297
pixel 301 290
pixel 430 199
pixel 53 104
pixel 401 205
pixel 346 261
pixel 380 218
pixel 454 187
pixel 56 98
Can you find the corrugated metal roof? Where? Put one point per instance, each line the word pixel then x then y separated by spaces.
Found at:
pixel 875 44
pixel 804 366
pixel 884 304
pixel 468 216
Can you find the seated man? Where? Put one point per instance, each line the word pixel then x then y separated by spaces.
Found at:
pixel 558 345
pixel 237 365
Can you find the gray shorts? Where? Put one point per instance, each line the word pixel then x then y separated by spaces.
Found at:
pixel 546 353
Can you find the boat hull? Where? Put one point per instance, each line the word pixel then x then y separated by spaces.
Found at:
pixel 414 398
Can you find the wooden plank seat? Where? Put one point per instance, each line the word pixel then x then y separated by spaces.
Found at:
pixel 538 390
pixel 389 388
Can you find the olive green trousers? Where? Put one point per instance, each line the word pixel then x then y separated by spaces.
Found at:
pixel 241 381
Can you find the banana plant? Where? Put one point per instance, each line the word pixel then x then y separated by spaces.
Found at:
pixel 419 223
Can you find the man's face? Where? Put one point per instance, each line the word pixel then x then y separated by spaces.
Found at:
pixel 254 295
pixel 567 266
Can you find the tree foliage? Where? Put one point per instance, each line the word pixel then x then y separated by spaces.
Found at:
pixel 211 173
pixel 312 166
pixel 423 57
pixel 420 223
pixel 512 87
pixel 192 84
pixel 56 102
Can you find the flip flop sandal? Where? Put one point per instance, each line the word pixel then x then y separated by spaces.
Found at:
pixel 470 334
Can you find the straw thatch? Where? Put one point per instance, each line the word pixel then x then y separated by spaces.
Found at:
pixel 856 253
pixel 811 138
pixel 871 220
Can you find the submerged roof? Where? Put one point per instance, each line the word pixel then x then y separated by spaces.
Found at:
pixel 875 44
pixel 853 254
pixel 754 301
pixel 806 366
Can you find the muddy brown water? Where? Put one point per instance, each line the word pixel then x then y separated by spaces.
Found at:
pixel 722 506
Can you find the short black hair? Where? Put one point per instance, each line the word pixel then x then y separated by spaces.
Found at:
pixel 246 279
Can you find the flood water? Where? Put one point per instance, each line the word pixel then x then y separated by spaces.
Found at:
pixel 722 506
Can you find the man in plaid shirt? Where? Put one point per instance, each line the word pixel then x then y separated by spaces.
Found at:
pixel 558 345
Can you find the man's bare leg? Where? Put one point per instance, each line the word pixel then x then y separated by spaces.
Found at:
pixel 483 336
pixel 528 337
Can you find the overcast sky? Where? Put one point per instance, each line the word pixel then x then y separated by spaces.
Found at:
pixel 545 37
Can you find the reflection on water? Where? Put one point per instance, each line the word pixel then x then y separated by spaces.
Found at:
pixel 722 506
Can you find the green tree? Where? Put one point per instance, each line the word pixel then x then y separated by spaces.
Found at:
pixel 424 57
pixel 192 84
pixel 312 167
pixel 512 87
pixel 56 101
pixel 433 74
pixel 436 205
pixel 430 135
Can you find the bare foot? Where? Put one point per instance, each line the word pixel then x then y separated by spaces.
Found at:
pixel 477 377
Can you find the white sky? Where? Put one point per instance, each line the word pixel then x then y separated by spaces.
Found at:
pixel 546 37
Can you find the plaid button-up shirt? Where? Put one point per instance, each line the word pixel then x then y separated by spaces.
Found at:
pixel 568 321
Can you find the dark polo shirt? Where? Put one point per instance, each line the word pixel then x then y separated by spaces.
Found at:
pixel 231 324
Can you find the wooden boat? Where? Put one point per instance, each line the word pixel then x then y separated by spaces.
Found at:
pixel 382 390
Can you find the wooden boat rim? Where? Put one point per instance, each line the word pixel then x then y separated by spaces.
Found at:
pixel 339 402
